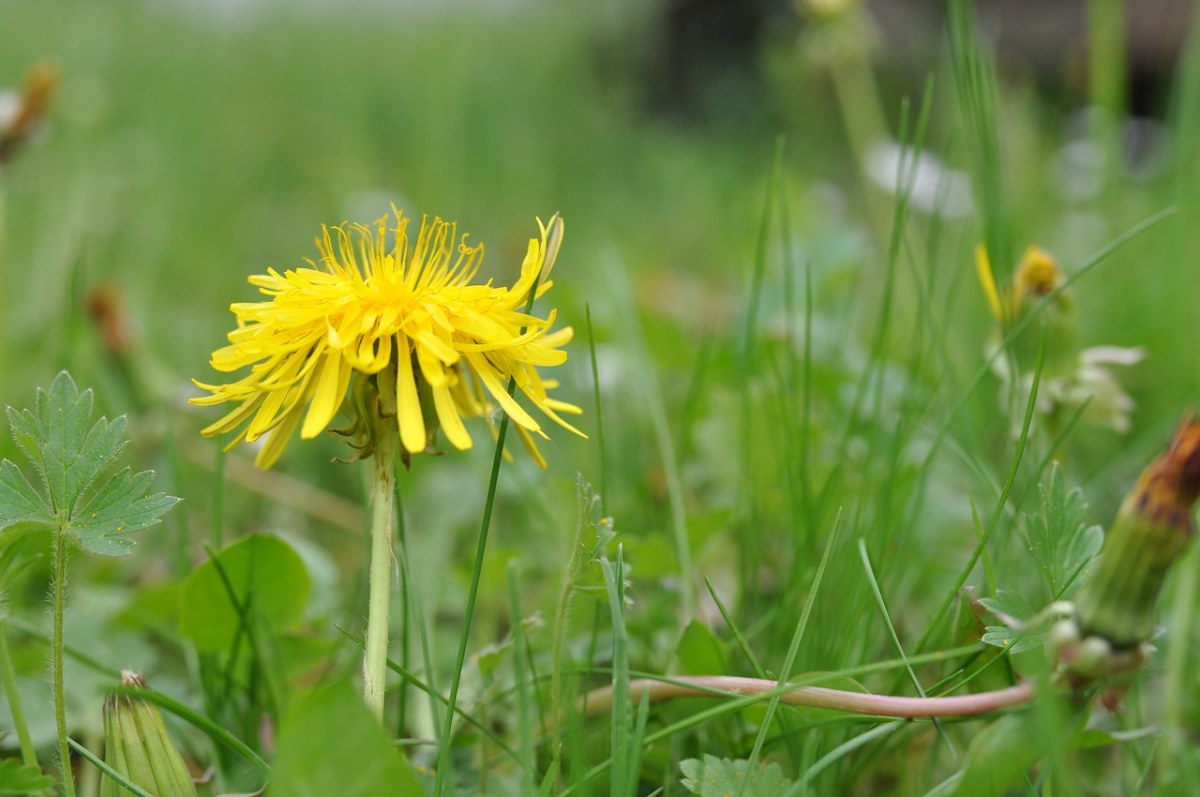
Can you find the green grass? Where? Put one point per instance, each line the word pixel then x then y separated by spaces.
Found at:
pixel 793 424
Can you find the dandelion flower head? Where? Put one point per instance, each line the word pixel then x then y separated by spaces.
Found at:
pixel 1037 275
pixel 404 321
pixel 1073 378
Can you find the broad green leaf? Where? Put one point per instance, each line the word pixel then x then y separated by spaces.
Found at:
pixel 330 744
pixel 73 458
pixel 18 778
pixel 267 583
pixel 720 777
pixel 700 651
pixel 999 755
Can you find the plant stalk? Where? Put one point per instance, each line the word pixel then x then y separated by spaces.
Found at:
pixel 600 700
pixel 59 591
pixel 9 675
pixel 383 491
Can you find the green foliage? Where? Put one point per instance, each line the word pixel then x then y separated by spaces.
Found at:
pixel 700 651
pixel 18 778
pixel 74 458
pixel 330 744
pixel 721 777
pixel 1060 541
pixel 259 579
pixel 999 754
pixel 1012 609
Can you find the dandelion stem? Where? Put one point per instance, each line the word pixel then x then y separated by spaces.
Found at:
pixel 9 675
pixel 383 490
pixel 56 661
pixel 600 700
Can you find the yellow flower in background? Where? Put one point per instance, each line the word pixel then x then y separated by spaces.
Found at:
pixel 1072 377
pixel 1036 277
pixel 408 313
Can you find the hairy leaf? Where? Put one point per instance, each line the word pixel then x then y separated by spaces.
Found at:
pixel 77 493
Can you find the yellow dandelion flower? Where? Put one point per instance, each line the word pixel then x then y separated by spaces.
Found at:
pixel 1071 377
pixel 1037 275
pixel 409 314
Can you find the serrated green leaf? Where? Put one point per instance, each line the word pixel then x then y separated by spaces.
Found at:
pixel 1011 606
pixel 13 562
pixel 18 778
pixel 120 506
pixel 68 453
pixel 720 777
pixel 72 456
pixel 19 501
pixel 1008 604
pixel 1060 542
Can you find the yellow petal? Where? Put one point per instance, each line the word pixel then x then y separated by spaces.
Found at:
pixel 486 373
pixel 277 442
pixel 449 419
pixel 531 447
pixel 408 403
pixel 983 268
pixel 326 398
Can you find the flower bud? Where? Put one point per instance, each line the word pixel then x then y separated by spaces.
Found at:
pixel 1152 528
pixel 136 744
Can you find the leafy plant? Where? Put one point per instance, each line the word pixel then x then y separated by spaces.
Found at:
pixel 1060 540
pixel 78 498
pixel 717 777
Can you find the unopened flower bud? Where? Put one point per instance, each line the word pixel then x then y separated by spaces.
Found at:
pixel 1152 528
pixel 136 745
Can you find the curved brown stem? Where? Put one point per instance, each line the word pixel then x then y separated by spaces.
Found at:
pixel 600 700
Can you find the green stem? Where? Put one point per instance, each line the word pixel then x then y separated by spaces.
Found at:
pixel 472 594
pixel 383 491
pixel 28 752
pixel 56 662
pixel 1176 694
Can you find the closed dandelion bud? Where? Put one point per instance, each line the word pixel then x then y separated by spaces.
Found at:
pixel 1037 276
pixel 137 746
pixel 1151 530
